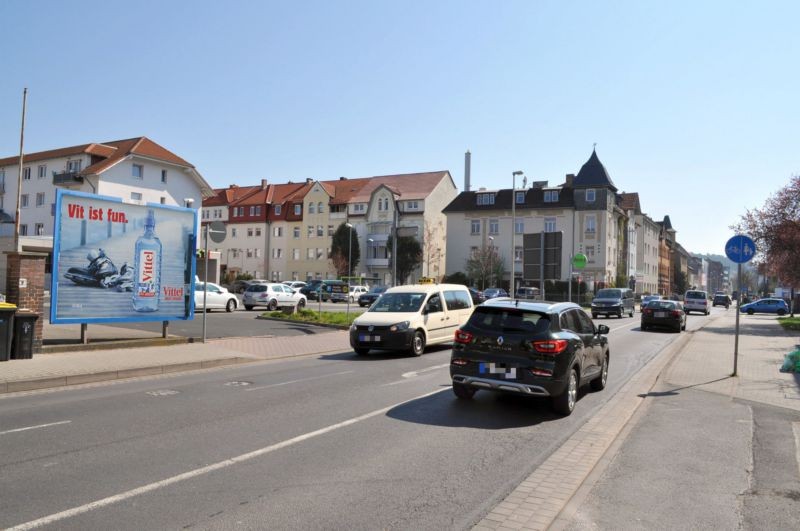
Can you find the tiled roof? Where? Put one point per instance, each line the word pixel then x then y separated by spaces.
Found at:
pixel 593 173
pixel 630 201
pixel 534 199
pixel 102 150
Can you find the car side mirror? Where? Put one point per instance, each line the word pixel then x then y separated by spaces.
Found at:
pixel 602 329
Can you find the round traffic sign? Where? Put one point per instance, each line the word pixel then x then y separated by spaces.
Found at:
pixel 740 249
pixel 579 261
pixel 216 231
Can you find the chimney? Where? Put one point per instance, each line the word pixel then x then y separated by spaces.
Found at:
pixel 309 180
pixel 467 165
pixel 342 178
pixel 263 184
pixel 570 179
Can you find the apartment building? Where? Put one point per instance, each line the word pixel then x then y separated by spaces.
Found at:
pixel 293 240
pixel 137 170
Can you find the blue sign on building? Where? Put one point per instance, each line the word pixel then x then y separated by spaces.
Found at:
pixel 740 249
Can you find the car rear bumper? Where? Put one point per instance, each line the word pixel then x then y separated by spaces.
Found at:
pixel 501 385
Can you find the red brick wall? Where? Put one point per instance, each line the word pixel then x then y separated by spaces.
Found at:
pixel 29 266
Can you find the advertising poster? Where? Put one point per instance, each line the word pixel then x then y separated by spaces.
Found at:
pixel 118 262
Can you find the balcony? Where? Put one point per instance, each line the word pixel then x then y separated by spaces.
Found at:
pixel 337 215
pixel 377 262
pixel 67 178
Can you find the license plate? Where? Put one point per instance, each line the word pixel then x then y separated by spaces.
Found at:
pixel 661 315
pixel 498 369
pixel 367 338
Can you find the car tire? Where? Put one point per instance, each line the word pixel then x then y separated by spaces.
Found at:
pixel 678 328
pixel 599 383
pixel 630 313
pixel 361 351
pixel 417 343
pixel 273 305
pixel 231 306
pixel 301 304
pixel 463 392
pixel 564 404
pixel 248 307
pixel 619 315
pixel 644 328
pixel 781 312
pixel 750 311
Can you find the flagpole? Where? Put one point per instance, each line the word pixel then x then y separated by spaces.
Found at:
pixel 19 172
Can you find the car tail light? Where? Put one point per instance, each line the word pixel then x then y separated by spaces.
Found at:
pixel 459 361
pixel 541 372
pixel 550 347
pixel 647 311
pixel 676 313
pixel 462 336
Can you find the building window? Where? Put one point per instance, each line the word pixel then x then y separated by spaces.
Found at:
pixel 518 254
pixel 330 230
pixel 23 229
pixel 298 210
pixel 163 176
pixel 233 232
pixel 258 253
pixel 320 208
pixel 494 226
pixel 39 199
pixel 551 196
pixel 310 231
pixel 249 253
pixel 296 232
pixel 295 275
pixel 520 197
pixel 296 254
pixel 42 171
pixel 320 231
pixel 590 195
pixel 310 254
pixel 40 229
pixel 277 210
pixel 485 199
pixel 320 254
pixel 519 226
pixel 164 202
pixel 23 200
pixel 358 207
pixel 380 204
pixel 241 212
pixel 277 253
pixel 590 224
pixel 136 196
pixel 549 224
pixel 590 254
pixel 73 166
pixel 26 174
pixel 250 232
pixel 252 211
pixel 311 208
pixel 475 226
pixel 138 171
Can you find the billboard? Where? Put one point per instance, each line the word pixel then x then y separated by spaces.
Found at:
pixel 119 262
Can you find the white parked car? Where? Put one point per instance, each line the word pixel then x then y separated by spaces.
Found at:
pixel 356 292
pixel 294 284
pixel 217 298
pixel 273 296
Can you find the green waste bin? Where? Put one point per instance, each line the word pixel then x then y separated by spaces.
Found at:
pixel 6 329
pixel 24 331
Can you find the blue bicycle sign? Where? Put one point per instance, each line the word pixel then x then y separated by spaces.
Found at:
pixel 740 249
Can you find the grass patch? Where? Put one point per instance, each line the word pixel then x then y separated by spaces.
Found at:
pixel 790 323
pixel 310 316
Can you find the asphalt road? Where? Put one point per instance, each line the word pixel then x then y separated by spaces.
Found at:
pixel 330 442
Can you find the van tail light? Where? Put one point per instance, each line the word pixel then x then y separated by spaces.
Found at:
pixel 462 336
pixel 550 347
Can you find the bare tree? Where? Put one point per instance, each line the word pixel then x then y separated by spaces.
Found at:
pixel 432 248
pixel 485 266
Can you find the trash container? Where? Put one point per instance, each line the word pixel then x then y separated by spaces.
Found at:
pixel 24 324
pixel 6 329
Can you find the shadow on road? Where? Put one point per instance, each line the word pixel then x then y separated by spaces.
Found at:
pixel 377 355
pixel 674 392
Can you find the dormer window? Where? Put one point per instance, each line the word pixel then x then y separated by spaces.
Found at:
pixel 519 197
pixel 298 209
pixel 485 199
pixel 590 195
pixel 551 196
pixel 277 210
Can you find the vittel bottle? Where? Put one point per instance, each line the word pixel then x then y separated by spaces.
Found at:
pixel 147 268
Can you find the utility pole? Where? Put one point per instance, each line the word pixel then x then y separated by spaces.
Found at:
pixel 513 229
pixel 19 171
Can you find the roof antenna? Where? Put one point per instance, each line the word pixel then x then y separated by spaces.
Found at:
pixel 594 146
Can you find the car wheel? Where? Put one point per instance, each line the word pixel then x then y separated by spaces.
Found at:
pixel 564 404
pixel 230 306
pixel 361 351
pixel 619 314
pixel 644 328
pixel 684 325
pixel 418 343
pixel 273 305
pixel 678 328
pixel 462 391
pixel 301 304
pixel 248 307
pixel 599 383
pixel 750 311
pixel 630 313
pixel 781 312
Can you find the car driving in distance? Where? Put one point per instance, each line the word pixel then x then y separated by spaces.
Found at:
pixel 768 305
pixel 493 293
pixel 721 299
pixel 371 296
pixel 648 298
pixel 664 313
pixel 696 301
pixel 613 301
pixel 530 349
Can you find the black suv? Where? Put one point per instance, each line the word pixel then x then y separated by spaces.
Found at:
pixel 532 349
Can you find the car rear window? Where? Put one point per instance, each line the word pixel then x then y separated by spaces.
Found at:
pixel 695 295
pixel 256 288
pixel 661 305
pixel 507 320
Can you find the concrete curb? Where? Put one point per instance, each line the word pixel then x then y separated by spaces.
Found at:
pixel 114 344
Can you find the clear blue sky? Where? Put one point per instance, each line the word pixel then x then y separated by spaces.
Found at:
pixel 694 105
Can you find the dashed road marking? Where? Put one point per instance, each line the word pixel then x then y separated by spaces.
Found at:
pixel 36 427
pixel 296 381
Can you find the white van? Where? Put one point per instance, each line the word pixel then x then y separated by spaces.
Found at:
pixel 409 317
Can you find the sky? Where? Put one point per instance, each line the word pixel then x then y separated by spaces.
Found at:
pixel 694 105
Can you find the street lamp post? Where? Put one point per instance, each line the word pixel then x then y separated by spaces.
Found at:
pixel 349 264
pixel 491 256
pixel 513 228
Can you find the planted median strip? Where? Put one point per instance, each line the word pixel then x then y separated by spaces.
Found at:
pixel 790 323
pixel 339 319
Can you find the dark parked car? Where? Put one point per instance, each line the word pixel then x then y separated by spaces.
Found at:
pixel 721 299
pixel 367 299
pixel 530 349
pixel 770 305
pixel 663 313
pixel 493 293
pixel 477 296
pixel 322 289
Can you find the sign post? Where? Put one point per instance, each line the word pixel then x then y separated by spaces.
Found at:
pixel 739 249
pixel 578 262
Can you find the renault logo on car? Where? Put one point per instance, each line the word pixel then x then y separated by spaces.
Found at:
pixel 371 328
pixel 500 340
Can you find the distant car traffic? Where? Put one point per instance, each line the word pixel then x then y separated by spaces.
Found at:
pixel 367 299
pixel 492 293
pixel 531 349
pixel 217 298
pixel 721 299
pixel 294 284
pixel 613 301
pixel 769 305
pixel 273 296
pixel 240 286
pixel 696 301
pixel 664 313
pixel 527 292
pixel 648 298
pixel 477 296
pixel 356 292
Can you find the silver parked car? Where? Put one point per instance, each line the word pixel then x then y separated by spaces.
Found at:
pixel 273 296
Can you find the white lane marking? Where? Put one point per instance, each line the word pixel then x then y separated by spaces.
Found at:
pixel 796 429
pixel 412 374
pixel 36 427
pixel 75 511
pixel 295 381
